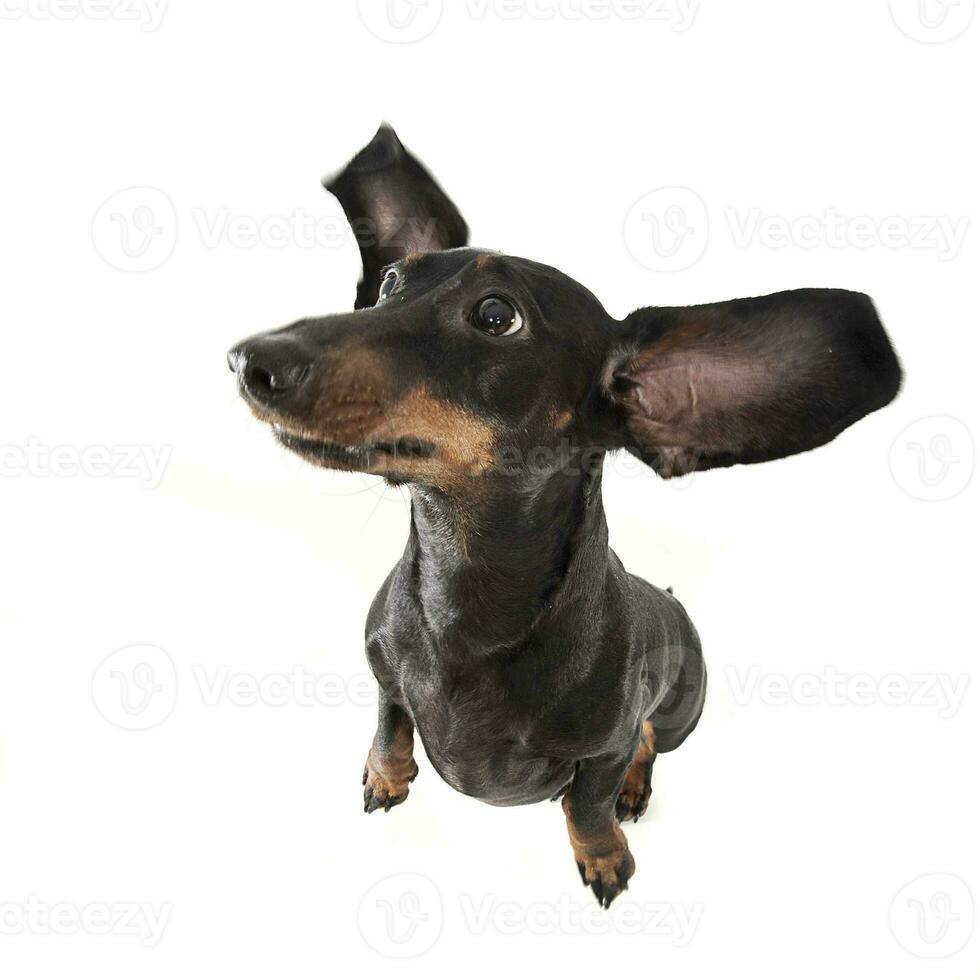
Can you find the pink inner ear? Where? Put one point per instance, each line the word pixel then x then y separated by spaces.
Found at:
pixel 696 401
pixel 752 380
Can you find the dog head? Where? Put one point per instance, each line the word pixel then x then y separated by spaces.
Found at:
pixel 470 363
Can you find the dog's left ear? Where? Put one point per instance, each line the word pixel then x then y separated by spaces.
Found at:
pixel 748 380
pixel 394 208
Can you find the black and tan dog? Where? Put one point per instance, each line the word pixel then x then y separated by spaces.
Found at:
pixel 532 664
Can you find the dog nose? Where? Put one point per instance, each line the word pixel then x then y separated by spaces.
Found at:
pixel 269 368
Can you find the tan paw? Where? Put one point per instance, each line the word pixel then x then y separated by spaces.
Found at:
pixel 607 874
pixel 383 788
pixel 635 794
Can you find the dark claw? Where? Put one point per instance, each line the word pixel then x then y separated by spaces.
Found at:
pixel 632 811
pixel 605 893
pixel 597 890
pixel 372 802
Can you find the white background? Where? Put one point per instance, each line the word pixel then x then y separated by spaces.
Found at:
pixel 791 834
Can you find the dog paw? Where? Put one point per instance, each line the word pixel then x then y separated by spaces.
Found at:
pixel 383 790
pixel 635 793
pixel 607 874
pixel 634 797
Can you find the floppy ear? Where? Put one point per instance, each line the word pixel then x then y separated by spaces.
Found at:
pixel 749 380
pixel 394 207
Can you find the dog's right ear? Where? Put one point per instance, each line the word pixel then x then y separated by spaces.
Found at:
pixel 394 208
pixel 748 380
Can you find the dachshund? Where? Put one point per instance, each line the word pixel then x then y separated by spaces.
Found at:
pixel 509 635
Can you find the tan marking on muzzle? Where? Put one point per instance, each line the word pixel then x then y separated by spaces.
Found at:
pixel 354 405
pixel 464 442
pixel 353 385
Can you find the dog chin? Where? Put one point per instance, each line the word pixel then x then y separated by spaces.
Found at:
pixel 383 458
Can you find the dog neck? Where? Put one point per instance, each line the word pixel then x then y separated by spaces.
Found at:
pixel 497 563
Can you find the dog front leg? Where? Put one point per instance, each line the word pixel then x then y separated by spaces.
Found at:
pixel 599 844
pixel 390 765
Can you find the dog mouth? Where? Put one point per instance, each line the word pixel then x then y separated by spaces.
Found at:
pixel 383 454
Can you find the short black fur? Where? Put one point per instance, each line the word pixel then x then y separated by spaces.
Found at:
pixel 509 635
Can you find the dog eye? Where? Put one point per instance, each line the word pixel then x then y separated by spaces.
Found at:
pixel 498 317
pixel 387 285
